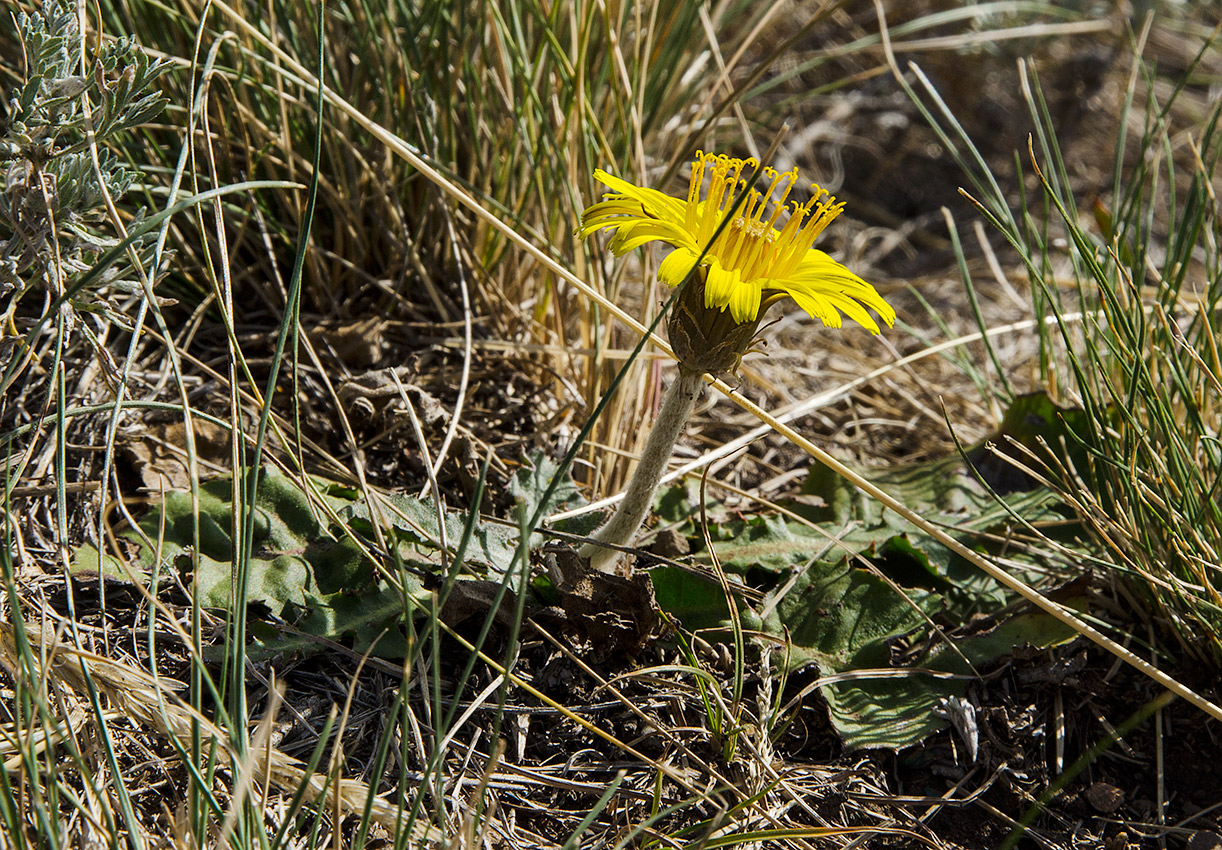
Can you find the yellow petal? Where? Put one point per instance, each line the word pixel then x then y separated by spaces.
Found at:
pixel 634 234
pixel 745 301
pixel 816 307
pixel 719 286
pixel 748 258
pixel 651 202
pixel 820 275
pixel 676 267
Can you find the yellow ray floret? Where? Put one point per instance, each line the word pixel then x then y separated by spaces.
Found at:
pixel 749 262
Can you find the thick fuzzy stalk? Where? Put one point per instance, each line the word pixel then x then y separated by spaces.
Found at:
pixel 622 528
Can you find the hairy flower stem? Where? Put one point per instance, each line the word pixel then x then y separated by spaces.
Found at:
pixel 622 528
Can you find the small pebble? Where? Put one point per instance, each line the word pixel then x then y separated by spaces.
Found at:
pixel 1104 798
pixel 1205 840
pixel 670 544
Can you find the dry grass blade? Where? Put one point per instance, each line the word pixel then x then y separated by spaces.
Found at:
pixel 149 701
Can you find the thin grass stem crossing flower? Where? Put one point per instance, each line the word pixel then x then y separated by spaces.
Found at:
pixel 733 261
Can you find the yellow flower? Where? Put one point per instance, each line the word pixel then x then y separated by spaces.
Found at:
pixel 751 263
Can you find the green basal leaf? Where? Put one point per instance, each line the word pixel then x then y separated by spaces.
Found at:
pixel 861 584
pixel 314 577
pixel 415 520
pixel 529 488
pixel 697 603
pixel 767 543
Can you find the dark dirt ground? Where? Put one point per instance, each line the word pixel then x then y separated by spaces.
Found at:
pixel 1037 712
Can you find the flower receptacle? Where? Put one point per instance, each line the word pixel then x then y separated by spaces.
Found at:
pixel 706 339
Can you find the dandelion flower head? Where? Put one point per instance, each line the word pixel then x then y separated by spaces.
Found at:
pixel 751 261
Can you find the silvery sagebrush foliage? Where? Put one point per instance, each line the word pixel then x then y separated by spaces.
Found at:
pixel 52 207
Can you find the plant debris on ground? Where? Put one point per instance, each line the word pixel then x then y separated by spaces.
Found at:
pixel 300 353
